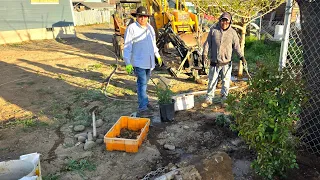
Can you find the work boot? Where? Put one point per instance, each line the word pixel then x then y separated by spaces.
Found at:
pixel 145 113
pixel 223 101
pixel 151 107
pixel 206 103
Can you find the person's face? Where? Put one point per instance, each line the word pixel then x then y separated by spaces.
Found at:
pixel 224 23
pixel 142 20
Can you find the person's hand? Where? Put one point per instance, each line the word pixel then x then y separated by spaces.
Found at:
pixel 159 61
pixel 129 68
pixel 244 61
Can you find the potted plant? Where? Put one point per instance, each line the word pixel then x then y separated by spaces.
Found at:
pixel 166 103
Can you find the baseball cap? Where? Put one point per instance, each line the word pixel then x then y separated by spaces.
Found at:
pixel 225 15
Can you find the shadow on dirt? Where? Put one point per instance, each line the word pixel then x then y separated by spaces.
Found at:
pixel 75 72
pixel 91 47
pixel 27 90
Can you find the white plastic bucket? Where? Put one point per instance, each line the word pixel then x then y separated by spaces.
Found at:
pixel 183 102
pixel 15 169
pixel 34 158
pixel 278 33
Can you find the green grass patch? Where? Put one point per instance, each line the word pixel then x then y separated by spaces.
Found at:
pixel 26 123
pixel 117 91
pixel 261 51
pixel 57 109
pixel 81 116
pixel 95 66
pixel 78 166
pixel 91 95
pixel 15 45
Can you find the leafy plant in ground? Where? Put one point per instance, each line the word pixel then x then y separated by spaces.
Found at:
pixel 265 119
pixel 222 120
pixel 80 166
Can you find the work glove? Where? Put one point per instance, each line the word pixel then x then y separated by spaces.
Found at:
pixel 159 61
pixel 129 68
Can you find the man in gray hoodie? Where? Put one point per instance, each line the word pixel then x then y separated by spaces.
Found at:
pixel 222 39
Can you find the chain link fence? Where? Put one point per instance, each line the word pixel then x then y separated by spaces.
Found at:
pixel 295 50
pixel 303 60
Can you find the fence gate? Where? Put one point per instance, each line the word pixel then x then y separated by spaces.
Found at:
pixel 92 17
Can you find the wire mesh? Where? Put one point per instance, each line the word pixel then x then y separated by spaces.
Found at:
pixel 268 28
pixel 304 59
pixel 295 50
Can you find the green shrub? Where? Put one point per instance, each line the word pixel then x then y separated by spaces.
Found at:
pixel 265 117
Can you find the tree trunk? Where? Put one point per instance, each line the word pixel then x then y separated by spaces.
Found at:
pixel 310 115
pixel 242 43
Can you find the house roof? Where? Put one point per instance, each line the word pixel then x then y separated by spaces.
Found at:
pixel 96 5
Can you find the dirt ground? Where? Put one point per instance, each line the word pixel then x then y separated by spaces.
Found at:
pixel 47 88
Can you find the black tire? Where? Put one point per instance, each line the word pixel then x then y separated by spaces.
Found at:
pixel 115 45
pixel 119 41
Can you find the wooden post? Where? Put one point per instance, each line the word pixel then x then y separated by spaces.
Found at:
pixel 242 42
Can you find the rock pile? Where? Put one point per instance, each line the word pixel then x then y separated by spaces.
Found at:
pixel 87 137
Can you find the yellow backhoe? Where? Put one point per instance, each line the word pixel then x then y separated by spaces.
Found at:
pixel 182 21
pixel 121 19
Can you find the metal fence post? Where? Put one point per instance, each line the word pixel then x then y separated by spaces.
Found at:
pixel 286 31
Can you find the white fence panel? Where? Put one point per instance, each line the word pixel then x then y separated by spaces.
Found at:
pixel 92 17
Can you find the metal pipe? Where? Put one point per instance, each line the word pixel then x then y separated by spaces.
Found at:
pixel 286 31
pixel 94 125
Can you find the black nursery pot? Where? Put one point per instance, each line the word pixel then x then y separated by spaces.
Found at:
pixel 167 111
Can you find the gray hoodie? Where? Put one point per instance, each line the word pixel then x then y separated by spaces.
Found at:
pixel 221 43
